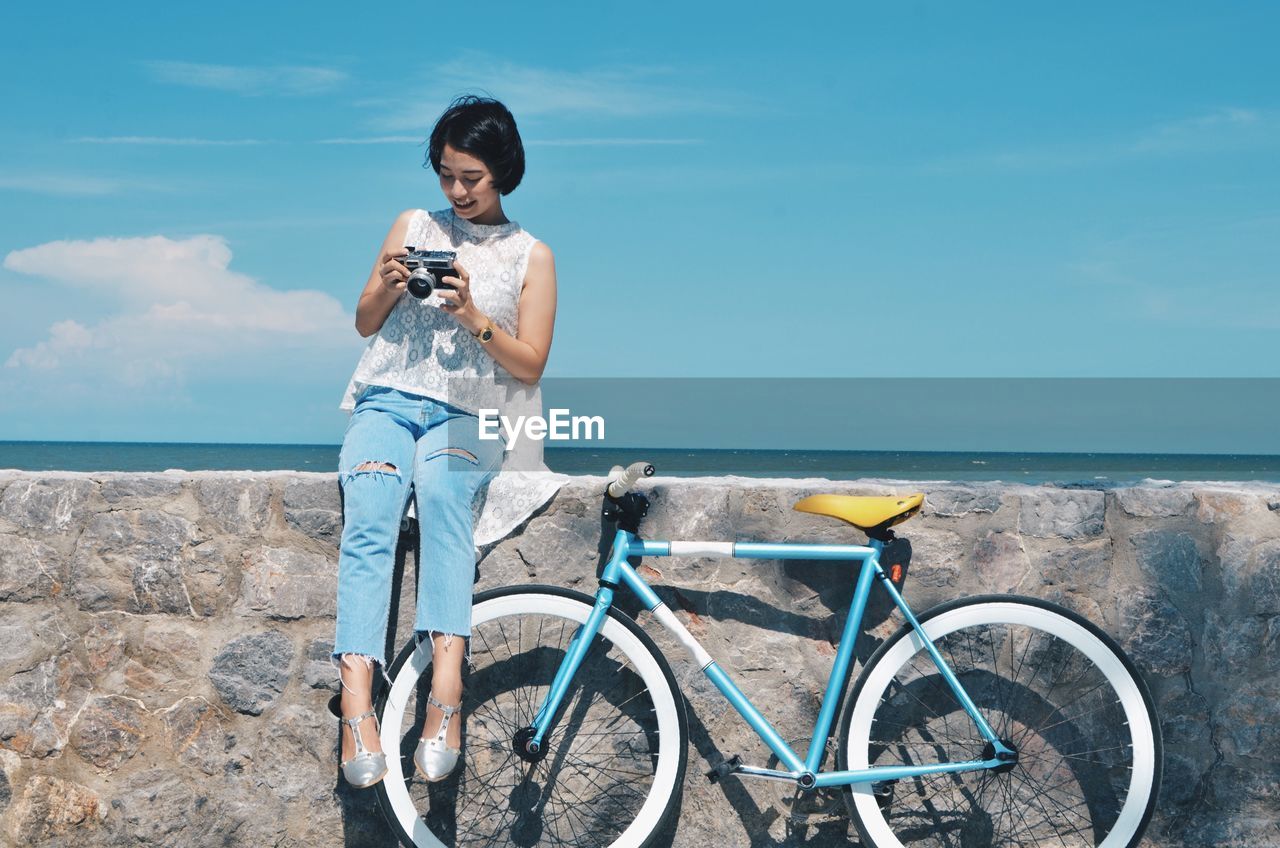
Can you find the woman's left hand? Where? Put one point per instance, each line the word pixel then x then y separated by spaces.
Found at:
pixel 457 301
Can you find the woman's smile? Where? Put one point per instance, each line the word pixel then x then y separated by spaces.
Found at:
pixel 468 184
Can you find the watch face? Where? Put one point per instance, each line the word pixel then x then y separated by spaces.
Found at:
pixel 486 334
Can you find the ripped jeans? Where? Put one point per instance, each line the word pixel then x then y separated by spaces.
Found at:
pixel 392 439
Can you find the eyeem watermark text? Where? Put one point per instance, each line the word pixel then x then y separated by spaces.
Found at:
pixel 561 426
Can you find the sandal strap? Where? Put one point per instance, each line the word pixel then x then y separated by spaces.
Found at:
pixel 361 750
pixel 353 721
pixel 448 711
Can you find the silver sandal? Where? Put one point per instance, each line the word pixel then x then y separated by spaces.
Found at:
pixel 366 767
pixel 434 759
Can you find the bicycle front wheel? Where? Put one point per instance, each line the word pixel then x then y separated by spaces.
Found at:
pixel 611 767
pixel 1052 686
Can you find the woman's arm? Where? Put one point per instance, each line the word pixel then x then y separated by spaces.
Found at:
pixel 379 298
pixel 524 357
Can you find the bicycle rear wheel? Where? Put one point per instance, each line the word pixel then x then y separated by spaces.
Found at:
pixel 1051 685
pixel 613 762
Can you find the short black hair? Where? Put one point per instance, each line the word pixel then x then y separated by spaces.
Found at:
pixel 487 130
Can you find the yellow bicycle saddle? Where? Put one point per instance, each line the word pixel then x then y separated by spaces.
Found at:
pixel 865 513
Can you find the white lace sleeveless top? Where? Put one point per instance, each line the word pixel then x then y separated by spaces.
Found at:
pixel 421 349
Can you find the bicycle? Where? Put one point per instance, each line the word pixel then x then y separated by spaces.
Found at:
pixel 988 720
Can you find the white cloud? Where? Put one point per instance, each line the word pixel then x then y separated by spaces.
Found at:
pixel 529 142
pixel 628 91
pixel 72 185
pixel 66 339
pixel 178 308
pixel 1222 129
pixel 376 139
pixel 249 80
pixel 169 141
pixel 1219 131
pixel 609 142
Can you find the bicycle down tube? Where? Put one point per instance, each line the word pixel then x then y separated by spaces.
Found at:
pixel 618 571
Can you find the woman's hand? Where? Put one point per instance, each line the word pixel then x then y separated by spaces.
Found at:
pixel 458 302
pixel 393 274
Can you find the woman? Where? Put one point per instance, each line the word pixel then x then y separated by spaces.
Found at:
pixel 415 395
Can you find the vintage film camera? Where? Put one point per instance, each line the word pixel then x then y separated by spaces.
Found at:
pixel 427 268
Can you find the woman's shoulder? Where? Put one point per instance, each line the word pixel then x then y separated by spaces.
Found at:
pixel 540 251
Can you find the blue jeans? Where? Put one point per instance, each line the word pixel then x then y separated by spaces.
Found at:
pixel 395 438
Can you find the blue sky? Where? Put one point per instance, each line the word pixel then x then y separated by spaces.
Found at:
pixel 191 196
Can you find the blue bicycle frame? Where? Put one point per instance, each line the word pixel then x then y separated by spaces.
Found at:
pixel 805 772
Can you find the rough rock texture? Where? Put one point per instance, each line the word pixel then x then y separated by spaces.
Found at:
pixel 165 641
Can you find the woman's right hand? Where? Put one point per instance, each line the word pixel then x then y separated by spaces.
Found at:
pixel 393 274
pixel 388 279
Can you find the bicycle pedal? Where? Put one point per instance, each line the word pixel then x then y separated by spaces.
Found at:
pixel 724 769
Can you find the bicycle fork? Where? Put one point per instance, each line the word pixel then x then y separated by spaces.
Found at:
pixel 805 773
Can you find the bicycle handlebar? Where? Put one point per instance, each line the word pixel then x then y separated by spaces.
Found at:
pixel 620 479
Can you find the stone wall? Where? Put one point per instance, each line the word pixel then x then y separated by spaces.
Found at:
pixel 164 641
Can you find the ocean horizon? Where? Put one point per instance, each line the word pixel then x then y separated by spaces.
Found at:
pixel 1101 469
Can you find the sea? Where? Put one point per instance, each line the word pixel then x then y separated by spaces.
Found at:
pixel 1083 469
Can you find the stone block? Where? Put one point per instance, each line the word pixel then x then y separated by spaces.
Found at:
pixel 1153 501
pixel 287 583
pixel 1170 558
pixel 140 561
pixel 314 508
pixel 109 731
pixel 959 501
pixel 47 504
pixel 30 570
pixel 1076 567
pixel 1154 633
pixel 29 634
pixel 120 487
pixel 318 671
pixel 37 706
pixel 52 808
pixel 308 734
pixel 250 672
pixel 938 557
pixel 556 549
pixel 1221 507
pixel 1184 720
pixel 196 734
pixel 1249 720
pixel 171 648
pixel 999 562
pixel 1264 579
pixel 1233 641
pixel 238 505
pixel 1069 513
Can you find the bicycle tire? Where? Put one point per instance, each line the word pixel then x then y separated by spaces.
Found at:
pixel 615 757
pixel 1050 681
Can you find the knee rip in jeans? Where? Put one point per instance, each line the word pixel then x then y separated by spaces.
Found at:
pixel 465 454
pixel 348 661
pixel 372 467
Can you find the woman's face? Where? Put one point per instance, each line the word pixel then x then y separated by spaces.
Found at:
pixel 468 185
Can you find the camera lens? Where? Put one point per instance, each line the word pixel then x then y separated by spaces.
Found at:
pixel 421 283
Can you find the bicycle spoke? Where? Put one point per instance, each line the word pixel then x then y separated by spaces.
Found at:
pixel 601 758
pixel 1043 696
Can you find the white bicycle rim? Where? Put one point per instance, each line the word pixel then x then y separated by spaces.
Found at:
pixel 1007 612
pixel 644 663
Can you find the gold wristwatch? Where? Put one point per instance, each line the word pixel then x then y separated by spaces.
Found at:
pixel 486 332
